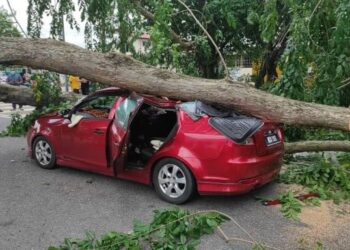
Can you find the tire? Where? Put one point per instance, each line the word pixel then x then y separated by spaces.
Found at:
pixel 44 153
pixel 173 181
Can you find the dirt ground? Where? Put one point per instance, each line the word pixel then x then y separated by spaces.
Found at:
pixel 326 224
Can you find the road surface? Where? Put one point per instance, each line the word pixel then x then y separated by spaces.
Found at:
pixel 6 110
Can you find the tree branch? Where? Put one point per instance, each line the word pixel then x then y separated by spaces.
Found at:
pixel 13 14
pixel 175 37
pixel 209 37
pixel 316 146
pixel 24 95
pixel 346 83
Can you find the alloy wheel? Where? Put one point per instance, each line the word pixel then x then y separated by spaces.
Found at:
pixel 172 180
pixel 43 152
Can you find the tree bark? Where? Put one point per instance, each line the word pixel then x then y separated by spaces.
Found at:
pixel 24 95
pixel 269 62
pixel 316 146
pixel 125 72
pixel 19 95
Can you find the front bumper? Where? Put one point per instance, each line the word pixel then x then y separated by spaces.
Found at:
pixel 243 186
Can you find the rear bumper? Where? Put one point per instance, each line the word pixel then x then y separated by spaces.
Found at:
pixel 243 186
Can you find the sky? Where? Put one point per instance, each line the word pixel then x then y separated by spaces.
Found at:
pixel 20 7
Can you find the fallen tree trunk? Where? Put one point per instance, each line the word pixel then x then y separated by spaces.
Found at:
pixel 20 95
pixel 24 95
pixel 316 146
pixel 125 72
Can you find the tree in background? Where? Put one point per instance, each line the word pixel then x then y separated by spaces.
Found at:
pixel 310 40
pixel 176 40
pixel 7 26
pixel 273 19
pixel 58 10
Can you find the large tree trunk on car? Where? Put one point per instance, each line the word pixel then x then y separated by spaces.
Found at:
pixel 316 146
pixel 125 72
pixel 24 95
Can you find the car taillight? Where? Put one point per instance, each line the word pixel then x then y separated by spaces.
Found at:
pixel 272 137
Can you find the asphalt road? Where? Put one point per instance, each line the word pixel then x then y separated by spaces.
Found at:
pixel 39 208
pixel 3 123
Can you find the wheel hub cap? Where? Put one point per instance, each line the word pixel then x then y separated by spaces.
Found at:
pixel 43 152
pixel 172 180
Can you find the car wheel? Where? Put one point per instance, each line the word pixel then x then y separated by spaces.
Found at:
pixel 44 153
pixel 173 181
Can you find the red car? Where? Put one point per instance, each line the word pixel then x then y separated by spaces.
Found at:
pixel 179 148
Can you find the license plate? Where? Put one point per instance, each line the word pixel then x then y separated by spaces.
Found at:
pixel 271 138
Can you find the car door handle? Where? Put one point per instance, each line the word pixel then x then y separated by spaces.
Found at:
pixel 99 131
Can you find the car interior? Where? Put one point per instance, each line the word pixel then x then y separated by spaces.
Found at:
pixel 149 130
pixel 99 107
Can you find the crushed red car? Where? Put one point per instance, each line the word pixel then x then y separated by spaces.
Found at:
pixel 179 148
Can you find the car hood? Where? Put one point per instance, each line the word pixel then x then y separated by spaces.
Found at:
pixel 50 118
pixel 51 114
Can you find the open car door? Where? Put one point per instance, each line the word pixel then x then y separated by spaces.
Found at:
pixel 118 138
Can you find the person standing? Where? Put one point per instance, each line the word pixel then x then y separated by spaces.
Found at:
pixel 16 79
pixel 85 86
pixel 74 84
pixel 26 77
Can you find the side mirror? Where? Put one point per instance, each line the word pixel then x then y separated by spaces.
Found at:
pixel 64 112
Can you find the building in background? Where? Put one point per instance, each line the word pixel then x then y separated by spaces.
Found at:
pixel 241 68
pixel 141 44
